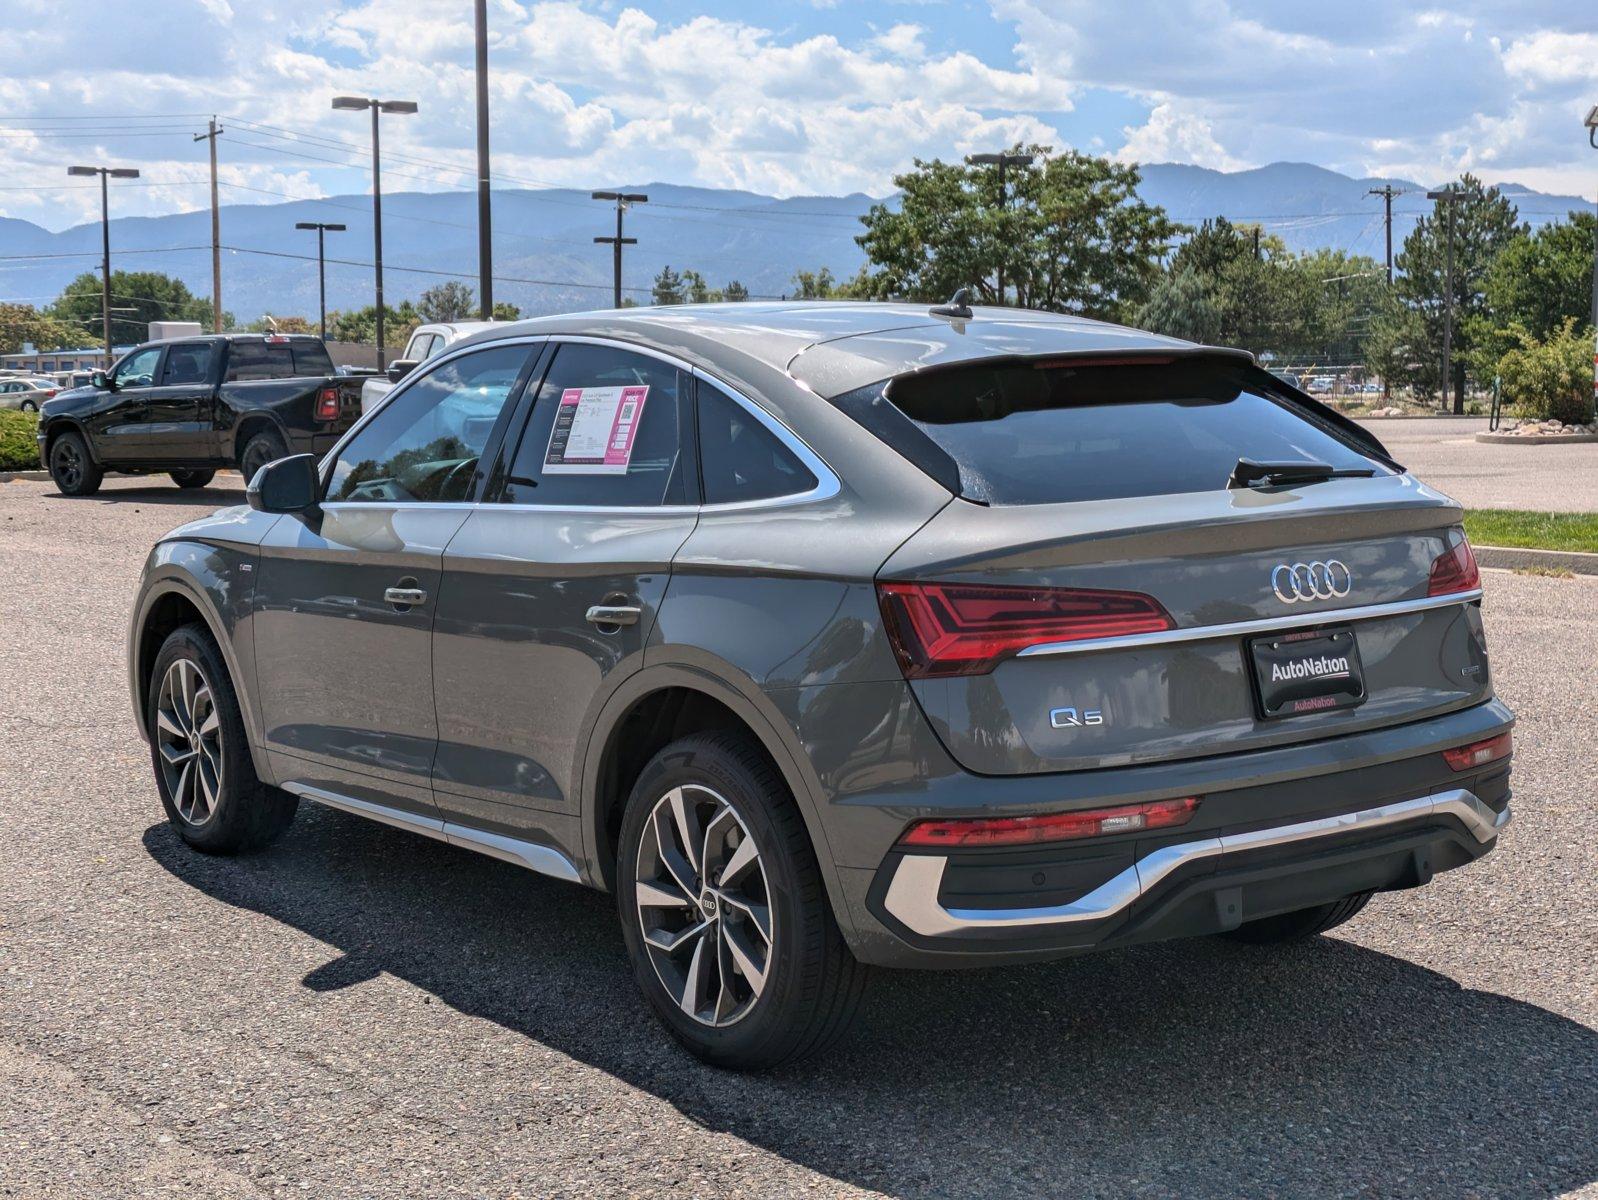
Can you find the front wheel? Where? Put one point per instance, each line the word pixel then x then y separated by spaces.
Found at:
pixel 28 406
pixel 192 479
pixel 72 468
pixel 1302 923
pixel 724 911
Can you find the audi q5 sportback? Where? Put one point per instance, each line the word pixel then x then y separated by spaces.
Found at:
pixel 827 635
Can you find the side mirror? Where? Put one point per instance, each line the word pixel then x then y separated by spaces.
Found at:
pixel 285 485
pixel 400 368
pixel 100 380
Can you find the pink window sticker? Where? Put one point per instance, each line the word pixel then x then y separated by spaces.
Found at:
pixel 595 430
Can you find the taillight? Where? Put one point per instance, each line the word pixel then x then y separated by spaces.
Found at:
pixel 327 404
pixel 1454 570
pixel 1056 827
pixel 943 629
pixel 1479 754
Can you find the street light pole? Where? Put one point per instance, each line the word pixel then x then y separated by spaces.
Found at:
pixel 321 227
pixel 105 241
pixel 622 199
pixel 485 239
pixel 1449 196
pixel 356 104
pixel 1001 161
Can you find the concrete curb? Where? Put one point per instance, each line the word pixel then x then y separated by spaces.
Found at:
pixel 1547 439
pixel 30 476
pixel 1512 557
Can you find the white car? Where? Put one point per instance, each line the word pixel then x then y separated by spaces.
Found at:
pixel 25 394
pixel 427 342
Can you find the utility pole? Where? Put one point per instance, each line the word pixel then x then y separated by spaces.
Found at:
pixel 485 237
pixel 1387 192
pixel 1592 140
pixel 216 230
pixel 105 242
pixel 1001 161
pixel 623 201
pixel 322 228
pixel 356 104
pixel 1450 197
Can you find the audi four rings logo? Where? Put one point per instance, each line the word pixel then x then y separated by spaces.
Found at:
pixel 1329 580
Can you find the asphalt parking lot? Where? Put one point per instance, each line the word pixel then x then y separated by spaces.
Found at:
pixel 1445 453
pixel 361 1012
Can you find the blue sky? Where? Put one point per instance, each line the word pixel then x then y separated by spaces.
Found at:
pixel 825 96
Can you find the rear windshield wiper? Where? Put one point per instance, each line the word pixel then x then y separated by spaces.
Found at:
pixel 1251 474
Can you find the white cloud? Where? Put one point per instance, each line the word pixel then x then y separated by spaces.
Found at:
pixel 1172 135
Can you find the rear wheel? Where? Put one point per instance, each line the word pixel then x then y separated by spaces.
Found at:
pixel 262 448
pixel 724 911
pixel 71 467
pixel 208 784
pixel 1305 922
pixel 192 479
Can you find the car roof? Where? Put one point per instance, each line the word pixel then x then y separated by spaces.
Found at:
pixel 833 347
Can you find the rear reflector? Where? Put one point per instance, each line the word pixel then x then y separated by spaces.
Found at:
pixel 327 404
pixel 1056 827
pixel 1479 754
pixel 1454 571
pixel 943 629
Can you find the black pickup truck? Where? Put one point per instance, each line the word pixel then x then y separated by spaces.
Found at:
pixel 189 406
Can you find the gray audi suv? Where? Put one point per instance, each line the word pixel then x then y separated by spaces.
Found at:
pixel 836 635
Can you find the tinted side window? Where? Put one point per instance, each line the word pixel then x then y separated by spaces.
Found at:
pixel 138 368
pixel 311 358
pixel 186 364
pixel 259 360
pixel 606 428
pixel 425 442
pixel 739 458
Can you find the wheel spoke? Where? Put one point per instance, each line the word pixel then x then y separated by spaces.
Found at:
pixel 176 753
pixel 665 939
pixel 684 820
pixel 212 721
pixel 745 856
pixel 759 914
pixel 180 794
pixel 694 984
pixel 655 895
pixel 207 783
pixel 671 857
pixel 726 999
pixel 167 724
pixel 186 674
pixel 723 815
pixel 744 955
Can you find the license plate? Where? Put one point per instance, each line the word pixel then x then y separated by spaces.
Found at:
pixel 1300 673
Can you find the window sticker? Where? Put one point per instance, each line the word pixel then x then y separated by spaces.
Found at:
pixel 594 430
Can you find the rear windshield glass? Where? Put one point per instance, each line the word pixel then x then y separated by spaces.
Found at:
pixel 276 360
pixel 1051 432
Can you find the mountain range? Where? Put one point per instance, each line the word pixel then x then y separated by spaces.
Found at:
pixel 545 259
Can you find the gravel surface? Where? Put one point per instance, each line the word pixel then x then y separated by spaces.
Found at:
pixel 1445 453
pixel 360 1012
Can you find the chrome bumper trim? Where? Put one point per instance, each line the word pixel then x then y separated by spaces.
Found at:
pixel 1205 633
pixel 912 895
pixel 546 860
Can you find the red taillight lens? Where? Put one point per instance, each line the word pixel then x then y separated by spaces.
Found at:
pixel 1454 571
pixel 327 404
pixel 1479 754
pixel 1056 827
pixel 941 629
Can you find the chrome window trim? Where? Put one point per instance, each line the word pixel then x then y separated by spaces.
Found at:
pixel 912 895
pixel 1204 633
pixel 827 483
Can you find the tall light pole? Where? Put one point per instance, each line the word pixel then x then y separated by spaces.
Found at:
pixel 322 228
pixel 1592 140
pixel 485 237
pixel 1001 161
pixel 212 131
pixel 623 200
pixel 356 104
pixel 1449 197
pixel 105 241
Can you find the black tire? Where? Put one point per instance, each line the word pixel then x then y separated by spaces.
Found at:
pixel 812 985
pixel 28 406
pixel 192 479
pixel 239 811
pixel 1304 923
pixel 73 470
pixel 262 448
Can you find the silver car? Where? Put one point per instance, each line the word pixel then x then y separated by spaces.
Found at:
pixel 25 394
pixel 828 636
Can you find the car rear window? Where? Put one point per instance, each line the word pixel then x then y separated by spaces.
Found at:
pixel 1052 432
pixel 276 360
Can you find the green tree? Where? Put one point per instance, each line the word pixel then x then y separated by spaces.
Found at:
pixel 1485 223
pixel 150 295
pixel 735 292
pixel 697 290
pixel 448 301
pixel 814 285
pixel 1539 281
pixel 22 323
pixel 1072 235
pixel 360 325
pixel 668 287
pixel 1551 378
pixel 504 310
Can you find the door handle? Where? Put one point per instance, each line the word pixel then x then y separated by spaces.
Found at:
pixel 405 597
pixel 614 614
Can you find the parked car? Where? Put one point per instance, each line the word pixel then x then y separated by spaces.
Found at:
pixel 428 341
pixel 827 635
pixel 191 406
pixel 26 394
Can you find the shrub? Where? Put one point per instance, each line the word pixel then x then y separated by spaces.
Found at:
pixel 1551 379
pixel 18 450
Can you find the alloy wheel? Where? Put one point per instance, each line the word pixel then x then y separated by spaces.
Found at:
pixel 704 905
pixel 189 739
pixel 68 465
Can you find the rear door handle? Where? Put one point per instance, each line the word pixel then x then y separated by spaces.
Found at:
pixel 614 614
pixel 405 597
